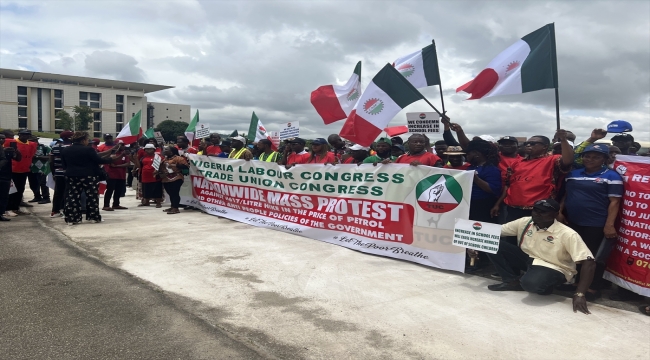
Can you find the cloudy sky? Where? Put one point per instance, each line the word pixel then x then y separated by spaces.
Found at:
pixel 228 58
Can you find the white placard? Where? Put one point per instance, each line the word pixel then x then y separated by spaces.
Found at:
pixel 289 130
pixel 202 131
pixel 275 138
pixel 423 122
pixel 477 235
pixel 159 138
pixel 156 161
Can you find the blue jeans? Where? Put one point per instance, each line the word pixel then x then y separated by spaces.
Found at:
pixel 510 260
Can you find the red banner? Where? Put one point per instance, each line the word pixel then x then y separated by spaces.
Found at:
pixel 629 264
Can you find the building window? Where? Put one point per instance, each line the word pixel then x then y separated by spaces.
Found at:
pixel 119 118
pixel 118 127
pixel 132 114
pixel 92 100
pixel 58 106
pixel 119 99
pixel 97 116
pixel 97 126
pixel 22 107
pixel 119 108
pixel 132 103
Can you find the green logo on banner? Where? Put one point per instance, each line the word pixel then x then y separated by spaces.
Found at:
pixel 373 106
pixel 438 193
pixel 353 94
pixel 406 69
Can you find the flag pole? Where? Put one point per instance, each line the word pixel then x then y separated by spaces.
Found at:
pixel 442 100
pixel 557 108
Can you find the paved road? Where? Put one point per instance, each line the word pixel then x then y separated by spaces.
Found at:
pixel 56 303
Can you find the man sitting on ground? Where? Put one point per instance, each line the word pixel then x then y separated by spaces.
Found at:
pixel 547 251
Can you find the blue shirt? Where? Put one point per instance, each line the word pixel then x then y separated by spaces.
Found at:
pixel 222 155
pixel 490 174
pixel 587 195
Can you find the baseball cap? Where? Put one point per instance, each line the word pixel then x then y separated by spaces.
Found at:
pixel 66 134
pixel 238 138
pixel 401 147
pixel 356 147
pixel 297 140
pixel 386 140
pixel 319 141
pixel 619 126
pixel 150 146
pixel 547 205
pixel 600 148
pixel 108 135
pixel 454 150
pixel 508 138
pixel 488 138
pixel 25 132
pixel 96 140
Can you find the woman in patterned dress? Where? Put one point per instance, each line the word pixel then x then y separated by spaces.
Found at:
pixel 171 172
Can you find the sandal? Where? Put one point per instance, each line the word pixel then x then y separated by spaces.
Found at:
pixel 167 210
pixel 173 212
pixel 645 310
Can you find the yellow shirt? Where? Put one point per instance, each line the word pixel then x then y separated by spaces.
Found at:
pixel 558 247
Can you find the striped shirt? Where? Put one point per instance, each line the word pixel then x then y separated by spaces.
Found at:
pixel 587 195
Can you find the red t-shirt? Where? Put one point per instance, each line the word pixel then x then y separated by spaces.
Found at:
pixel 141 152
pixel 533 180
pixel 504 164
pixel 213 150
pixel 301 158
pixel 189 150
pixel 462 167
pixel 328 158
pixel 349 160
pixel 27 150
pixel 426 158
pixel 118 173
pixel 146 164
pixel 103 147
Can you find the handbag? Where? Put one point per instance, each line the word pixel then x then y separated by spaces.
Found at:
pixel 101 173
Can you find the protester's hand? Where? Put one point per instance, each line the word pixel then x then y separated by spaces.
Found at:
pixel 561 218
pixel 375 163
pixel 455 127
pixel 597 134
pixel 494 212
pixel 472 253
pixel 610 232
pixel 444 119
pixel 288 166
pixel 415 163
pixel 580 304
pixel 385 161
pixel 560 135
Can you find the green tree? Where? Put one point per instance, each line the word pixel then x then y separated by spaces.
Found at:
pixel 66 122
pixel 83 117
pixel 170 129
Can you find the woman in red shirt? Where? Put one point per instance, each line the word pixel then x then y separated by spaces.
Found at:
pixel 151 185
pixel 418 154
pixel 320 153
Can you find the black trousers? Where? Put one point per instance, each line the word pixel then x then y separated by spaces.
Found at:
pixel 173 189
pixel 510 260
pixel 20 179
pixel 479 210
pixel 58 199
pixel 5 185
pixel 129 176
pixel 512 214
pixel 38 184
pixel 592 236
pixel 114 188
pixel 76 186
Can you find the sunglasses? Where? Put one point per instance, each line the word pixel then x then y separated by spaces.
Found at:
pixel 533 143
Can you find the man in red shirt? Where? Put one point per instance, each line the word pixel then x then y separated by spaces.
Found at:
pixel 337 146
pixel 358 153
pixel 214 149
pixel 20 168
pixel 534 178
pixel 116 171
pixel 183 146
pixel 294 153
pixel 418 154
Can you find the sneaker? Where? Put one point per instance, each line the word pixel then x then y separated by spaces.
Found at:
pixel 495 276
pixel 35 200
pixel 11 213
pixel 24 204
pixel 20 212
pixel 44 201
pixel 56 215
pixel 106 208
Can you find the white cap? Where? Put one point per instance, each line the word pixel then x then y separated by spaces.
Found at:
pixel 488 138
pixel 359 147
pixel 239 138
pixel 150 146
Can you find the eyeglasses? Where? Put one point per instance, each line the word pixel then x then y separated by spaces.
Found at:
pixel 533 143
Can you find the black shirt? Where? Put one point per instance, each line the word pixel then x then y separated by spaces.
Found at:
pixel 5 164
pixel 79 160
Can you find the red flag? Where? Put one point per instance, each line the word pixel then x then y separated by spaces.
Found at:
pixel 396 130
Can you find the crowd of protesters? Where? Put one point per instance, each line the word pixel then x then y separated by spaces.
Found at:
pixel 557 201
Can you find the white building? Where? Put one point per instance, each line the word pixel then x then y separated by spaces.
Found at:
pixel 30 100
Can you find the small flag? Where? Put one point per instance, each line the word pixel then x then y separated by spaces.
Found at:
pixel 335 102
pixel 132 131
pixel 257 132
pixel 530 64
pixel 234 134
pixel 420 68
pixel 149 133
pixel 396 130
pixel 387 94
pixel 191 128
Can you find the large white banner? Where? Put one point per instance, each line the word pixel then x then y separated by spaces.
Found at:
pixel 393 210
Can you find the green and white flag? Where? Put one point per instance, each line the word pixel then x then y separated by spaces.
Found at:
pixel 530 64
pixel 132 131
pixel 257 132
pixel 149 133
pixel 191 128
